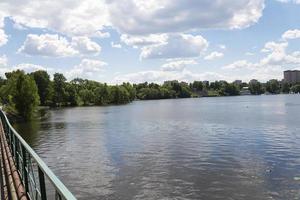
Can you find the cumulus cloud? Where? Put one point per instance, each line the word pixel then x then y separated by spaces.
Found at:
pixel 47 45
pixel 270 66
pixel 176 46
pixel 290 1
pixel 291 34
pixel 114 45
pixel 3 61
pixel 3 37
pixel 159 76
pixel 85 18
pixel 29 67
pixel 68 17
pixel 177 65
pixel 85 45
pixel 86 69
pixel 214 55
pixel 153 16
pixel 58 46
pixel 101 34
pixel 139 41
pixel 240 64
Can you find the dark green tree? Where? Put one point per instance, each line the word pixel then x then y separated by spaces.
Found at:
pixel 42 80
pixel 273 86
pixel 285 87
pixel 256 88
pixel 295 88
pixel 26 96
pixel 59 85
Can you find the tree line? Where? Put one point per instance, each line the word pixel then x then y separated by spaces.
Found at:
pixel 21 93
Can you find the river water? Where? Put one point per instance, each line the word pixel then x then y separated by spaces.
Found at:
pixel 245 147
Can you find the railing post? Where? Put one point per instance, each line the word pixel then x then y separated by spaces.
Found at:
pixel 42 184
pixel 25 173
pixel 17 154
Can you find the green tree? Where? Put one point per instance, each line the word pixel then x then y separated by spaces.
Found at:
pixel 102 95
pixel 26 96
pixel 197 86
pixel 59 85
pixel 42 80
pixel 256 88
pixel 272 86
pixel 119 95
pixel 295 88
pixel 72 96
pixel 86 96
pixel 285 87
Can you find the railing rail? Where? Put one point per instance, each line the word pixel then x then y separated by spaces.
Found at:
pixel 39 181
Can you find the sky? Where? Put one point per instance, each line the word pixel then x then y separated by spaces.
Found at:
pixel 117 41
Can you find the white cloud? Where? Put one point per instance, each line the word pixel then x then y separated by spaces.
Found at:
pixel 154 16
pixel 214 55
pixel 29 67
pixel 58 46
pixel 160 76
pixel 249 54
pixel 176 46
pixel 177 65
pixel 47 45
pixel 3 65
pixel 113 45
pixel 222 46
pixel 240 64
pixel 291 34
pixel 86 18
pixel 3 37
pixel 101 34
pixel 138 41
pixel 268 67
pixel 290 1
pixel 85 45
pixel 3 61
pixel 86 69
pixel 68 17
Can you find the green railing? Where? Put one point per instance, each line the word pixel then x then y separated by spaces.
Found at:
pixel 39 181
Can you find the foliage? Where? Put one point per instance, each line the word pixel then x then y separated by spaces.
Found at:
pixel 256 88
pixel 21 92
pixel 273 87
pixel 42 80
pixel 295 88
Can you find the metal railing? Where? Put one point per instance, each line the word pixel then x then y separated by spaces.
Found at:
pixel 39 181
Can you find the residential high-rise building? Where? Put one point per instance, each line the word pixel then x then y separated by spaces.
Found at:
pixel 292 76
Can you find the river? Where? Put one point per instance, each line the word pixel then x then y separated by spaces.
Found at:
pixel 245 147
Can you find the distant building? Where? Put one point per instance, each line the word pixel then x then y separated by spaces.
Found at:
pixel 253 81
pixel 292 76
pixel 238 82
pixel 245 91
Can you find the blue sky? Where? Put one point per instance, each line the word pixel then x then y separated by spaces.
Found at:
pixel 129 40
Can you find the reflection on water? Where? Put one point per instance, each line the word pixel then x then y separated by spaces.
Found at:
pixel 208 148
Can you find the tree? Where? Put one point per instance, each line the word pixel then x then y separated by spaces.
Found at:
pixel 59 85
pixel 285 88
pixel 256 88
pixel 272 86
pixel 102 95
pixel 26 96
pixel 86 96
pixel 197 86
pixel 42 80
pixel 72 96
pixel 230 89
pixel 295 89
pixel 119 95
